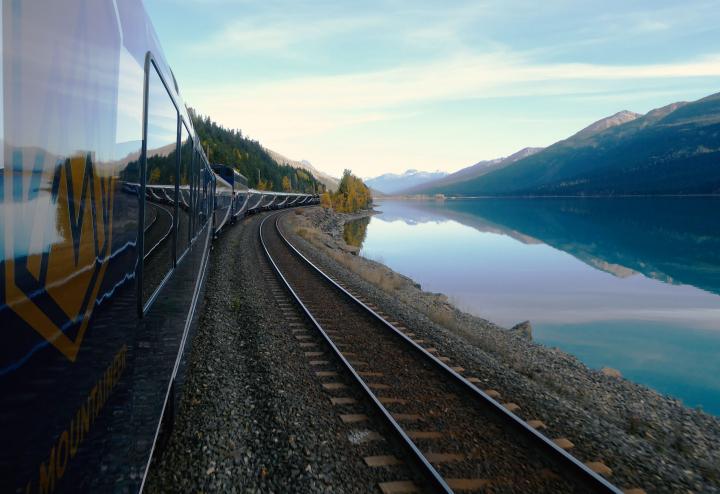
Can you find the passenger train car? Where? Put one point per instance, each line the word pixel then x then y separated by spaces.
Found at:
pixel 108 207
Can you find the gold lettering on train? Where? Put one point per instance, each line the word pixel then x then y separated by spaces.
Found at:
pixel 69 440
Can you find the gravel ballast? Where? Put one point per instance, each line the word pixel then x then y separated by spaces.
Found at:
pixel 253 414
pixel 649 441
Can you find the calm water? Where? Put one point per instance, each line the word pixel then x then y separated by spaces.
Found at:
pixel 632 284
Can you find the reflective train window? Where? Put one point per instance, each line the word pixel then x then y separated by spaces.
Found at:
pixel 203 199
pixel 184 197
pixel 194 194
pixel 197 163
pixel 160 179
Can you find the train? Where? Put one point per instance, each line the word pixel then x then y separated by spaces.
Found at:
pixel 108 211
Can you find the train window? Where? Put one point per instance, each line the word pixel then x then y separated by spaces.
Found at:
pixel 160 180
pixel 184 197
pixel 194 180
pixel 201 207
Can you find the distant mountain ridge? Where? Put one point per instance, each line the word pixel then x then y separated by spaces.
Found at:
pixel 470 172
pixel 619 118
pixel 328 180
pixel 674 149
pixel 391 183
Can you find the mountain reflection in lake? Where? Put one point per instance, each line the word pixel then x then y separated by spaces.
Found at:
pixel 629 283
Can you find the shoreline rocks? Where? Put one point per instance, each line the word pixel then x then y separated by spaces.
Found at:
pixel 649 440
pixel 524 328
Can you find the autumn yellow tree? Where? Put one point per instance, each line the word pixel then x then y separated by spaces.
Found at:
pixel 325 200
pixel 352 194
pixel 286 185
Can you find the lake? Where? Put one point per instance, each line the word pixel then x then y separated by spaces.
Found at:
pixel 628 283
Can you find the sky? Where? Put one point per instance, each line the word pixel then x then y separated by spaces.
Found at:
pixel 384 86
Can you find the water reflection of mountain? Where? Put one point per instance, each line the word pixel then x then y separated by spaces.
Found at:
pixel 676 240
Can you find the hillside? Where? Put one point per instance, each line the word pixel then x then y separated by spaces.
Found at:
pixel 248 157
pixel 330 182
pixel 477 170
pixel 391 183
pixel 670 150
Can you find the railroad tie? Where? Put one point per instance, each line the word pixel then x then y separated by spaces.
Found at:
pixel 352 418
pixel 381 461
pixel 370 374
pixel 492 393
pixel 511 407
pixel 536 424
pixel 599 468
pixel 313 354
pixel 343 400
pixel 318 362
pixel 389 400
pixel 563 443
pixel 330 386
pixel 397 487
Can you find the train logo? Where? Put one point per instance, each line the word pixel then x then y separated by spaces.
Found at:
pixel 59 260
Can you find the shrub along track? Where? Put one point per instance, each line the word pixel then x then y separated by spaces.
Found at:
pixel 459 437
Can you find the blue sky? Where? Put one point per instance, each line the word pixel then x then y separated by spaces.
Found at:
pixel 386 85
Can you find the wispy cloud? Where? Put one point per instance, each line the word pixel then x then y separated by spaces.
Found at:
pixel 418 81
pixel 275 36
pixel 329 101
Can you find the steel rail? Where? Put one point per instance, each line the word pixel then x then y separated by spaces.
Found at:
pixel 428 470
pixel 572 464
pixel 164 237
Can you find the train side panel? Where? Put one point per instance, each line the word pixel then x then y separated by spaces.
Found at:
pixel 105 205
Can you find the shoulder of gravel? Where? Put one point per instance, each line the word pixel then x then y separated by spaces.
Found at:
pixel 657 421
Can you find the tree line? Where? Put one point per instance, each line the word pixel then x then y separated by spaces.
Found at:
pixel 352 195
pixel 248 157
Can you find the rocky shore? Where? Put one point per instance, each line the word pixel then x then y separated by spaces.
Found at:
pixel 649 441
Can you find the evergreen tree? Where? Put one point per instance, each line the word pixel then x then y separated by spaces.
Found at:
pixel 231 148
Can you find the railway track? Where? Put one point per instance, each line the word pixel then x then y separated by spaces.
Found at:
pixel 456 435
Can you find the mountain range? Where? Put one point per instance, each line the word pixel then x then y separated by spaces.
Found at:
pixel 391 183
pixel 328 180
pixel 670 150
pixel 474 171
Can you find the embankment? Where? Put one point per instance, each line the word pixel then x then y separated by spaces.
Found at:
pixel 648 440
